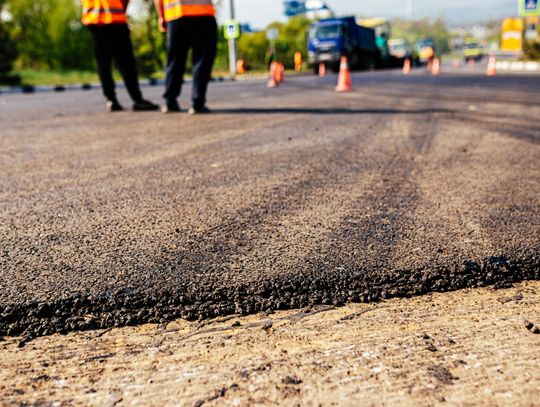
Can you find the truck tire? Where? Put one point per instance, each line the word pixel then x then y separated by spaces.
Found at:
pixel 369 63
pixel 354 62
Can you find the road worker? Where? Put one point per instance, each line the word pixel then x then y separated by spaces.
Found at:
pixel 107 22
pixel 189 24
pixel 298 61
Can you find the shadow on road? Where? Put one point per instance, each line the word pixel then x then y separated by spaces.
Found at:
pixel 289 110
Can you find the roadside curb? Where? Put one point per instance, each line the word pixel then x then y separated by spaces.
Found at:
pixel 518 66
pixel 88 86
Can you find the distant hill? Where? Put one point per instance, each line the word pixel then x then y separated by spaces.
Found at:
pixel 454 11
pixel 466 14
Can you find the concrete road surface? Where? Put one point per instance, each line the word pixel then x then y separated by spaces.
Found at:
pixel 283 198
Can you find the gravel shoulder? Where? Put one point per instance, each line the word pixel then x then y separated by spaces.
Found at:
pixel 470 347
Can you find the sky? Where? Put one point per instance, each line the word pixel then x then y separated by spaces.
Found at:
pixel 261 12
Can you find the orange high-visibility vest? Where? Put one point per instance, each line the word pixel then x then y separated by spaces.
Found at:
pixel 97 12
pixel 175 9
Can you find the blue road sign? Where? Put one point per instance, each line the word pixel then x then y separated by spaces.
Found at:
pixel 529 8
pixel 531 5
pixel 294 8
pixel 232 30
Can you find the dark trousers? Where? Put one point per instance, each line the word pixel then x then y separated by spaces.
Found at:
pixel 199 34
pixel 113 42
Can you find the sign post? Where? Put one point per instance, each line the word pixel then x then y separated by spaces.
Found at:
pixel 409 10
pixel 531 28
pixel 272 35
pixel 232 39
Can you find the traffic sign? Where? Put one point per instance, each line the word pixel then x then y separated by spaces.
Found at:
pixel 232 30
pixel 272 34
pixel 529 8
pixel 512 35
pixel 294 8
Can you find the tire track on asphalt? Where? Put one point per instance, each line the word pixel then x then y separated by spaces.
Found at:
pixel 333 273
pixel 84 305
pixel 358 263
pixel 436 93
pixel 518 129
pixel 437 273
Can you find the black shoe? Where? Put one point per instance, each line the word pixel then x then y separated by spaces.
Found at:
pixel 114 106
pixel 171 107
pixel 199 110
pixel 145 106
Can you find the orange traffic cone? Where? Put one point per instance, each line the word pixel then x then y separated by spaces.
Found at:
pixel 436 69
pixel 430 65
pixel 492 66
pixel 280 77
pixel 344 79
pixel 322 70
pixel 298 61
pixel 471 62
pixel 272 76
pixel 407 67
pixel 241 67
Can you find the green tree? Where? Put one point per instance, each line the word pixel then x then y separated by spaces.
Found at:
pixel 531 50
pixel 254 47
pixel 293 38
pixel 8 49
pixel 149 44
pixel 413 31
pixel 49 34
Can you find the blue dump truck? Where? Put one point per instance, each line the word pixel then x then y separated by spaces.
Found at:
pixel 332 38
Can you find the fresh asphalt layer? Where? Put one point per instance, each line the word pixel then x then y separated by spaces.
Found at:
pixel 282 198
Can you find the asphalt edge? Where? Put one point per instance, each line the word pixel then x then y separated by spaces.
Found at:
pixel 127 307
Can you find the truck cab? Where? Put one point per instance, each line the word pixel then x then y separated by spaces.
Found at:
pixel 326 43
pixel 400 50
pixel 330 39
pixel 473 51
pixel 424 50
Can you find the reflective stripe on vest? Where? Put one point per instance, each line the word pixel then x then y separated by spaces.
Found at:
pixel 103 12
pixel 175 9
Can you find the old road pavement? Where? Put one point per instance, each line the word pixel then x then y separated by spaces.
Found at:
pixel 283 198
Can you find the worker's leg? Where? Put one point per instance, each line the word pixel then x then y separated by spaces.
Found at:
pixel 179 42
pixel 104 60
pixel 125 59
pixel 204 54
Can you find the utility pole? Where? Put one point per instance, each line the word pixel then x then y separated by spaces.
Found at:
pixel 232 44
pixel 410 9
